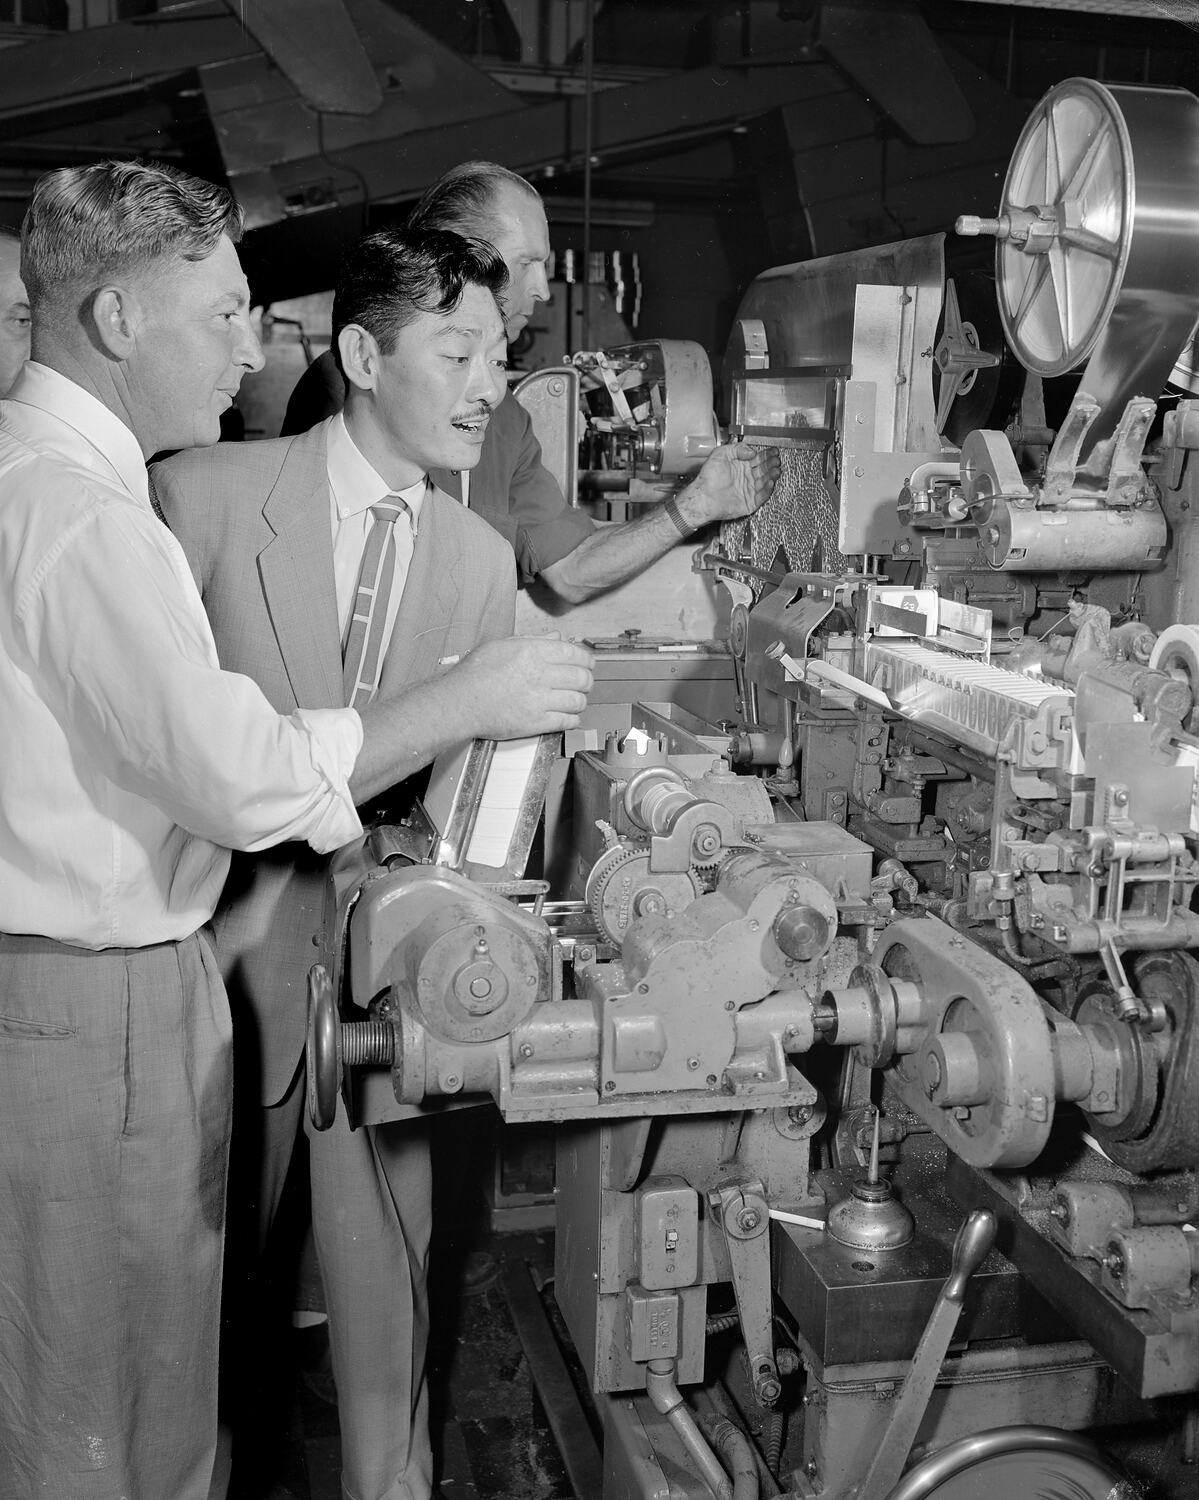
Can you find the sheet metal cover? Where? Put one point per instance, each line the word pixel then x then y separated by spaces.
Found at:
pixel 807 308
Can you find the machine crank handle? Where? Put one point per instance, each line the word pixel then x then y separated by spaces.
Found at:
pixel 970 1249
pixel 332 1045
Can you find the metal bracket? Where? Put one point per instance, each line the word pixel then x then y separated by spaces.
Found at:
pixel 741 1209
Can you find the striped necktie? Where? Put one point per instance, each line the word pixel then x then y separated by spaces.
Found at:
pixel 364 636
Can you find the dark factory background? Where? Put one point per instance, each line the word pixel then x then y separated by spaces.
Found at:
pixel 722 136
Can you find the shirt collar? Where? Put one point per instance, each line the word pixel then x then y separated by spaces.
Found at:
pixel 40 386
pixel 355 483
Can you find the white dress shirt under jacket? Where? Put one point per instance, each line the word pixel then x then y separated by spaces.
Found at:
pixel 129 762
pixel 354 486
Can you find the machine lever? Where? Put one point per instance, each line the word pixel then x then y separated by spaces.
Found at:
pixel 970 1249
pixel 744 1216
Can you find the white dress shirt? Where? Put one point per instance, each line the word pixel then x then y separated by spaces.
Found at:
pixel 129 762
pixel 354 486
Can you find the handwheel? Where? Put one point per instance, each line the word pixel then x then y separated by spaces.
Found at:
pixel 1033 1463
pixel 322 1049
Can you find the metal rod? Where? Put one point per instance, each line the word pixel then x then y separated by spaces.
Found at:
pixel 874 1147
pixel 588 132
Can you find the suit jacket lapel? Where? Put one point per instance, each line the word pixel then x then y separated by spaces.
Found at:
pixel 431 593
pixel 296 569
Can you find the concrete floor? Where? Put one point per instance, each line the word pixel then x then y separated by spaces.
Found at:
pixel 492 1440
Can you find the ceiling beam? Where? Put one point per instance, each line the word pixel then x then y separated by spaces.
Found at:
pixel 102 60
pixel 538 138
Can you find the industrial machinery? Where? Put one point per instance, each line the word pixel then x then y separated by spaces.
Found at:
pixel 869 1021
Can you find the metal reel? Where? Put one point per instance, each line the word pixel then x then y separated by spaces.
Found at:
pixel 1057 284
pixel 1035 1463
pixel 1095 204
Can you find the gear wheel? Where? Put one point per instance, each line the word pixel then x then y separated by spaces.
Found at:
pixel 707 874
pixel 621 887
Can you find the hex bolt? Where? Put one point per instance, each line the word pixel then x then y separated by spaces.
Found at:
pixel 526 1050
pixel 693 1063
pixel 748 1219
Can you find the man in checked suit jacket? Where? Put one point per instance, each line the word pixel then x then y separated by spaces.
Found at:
pixel 421 341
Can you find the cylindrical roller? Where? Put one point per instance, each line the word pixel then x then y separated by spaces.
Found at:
pixel 1063 541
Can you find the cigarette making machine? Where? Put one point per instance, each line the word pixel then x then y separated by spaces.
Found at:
pixel 869 1021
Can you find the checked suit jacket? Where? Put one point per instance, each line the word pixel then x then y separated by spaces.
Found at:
pixel 254 522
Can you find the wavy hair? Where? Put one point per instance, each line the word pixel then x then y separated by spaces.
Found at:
pixel 88 225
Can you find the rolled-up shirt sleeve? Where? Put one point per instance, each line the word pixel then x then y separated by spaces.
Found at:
pixel 546 528
pixel 132 676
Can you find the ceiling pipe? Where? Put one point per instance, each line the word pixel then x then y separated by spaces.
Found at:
pixel 588 130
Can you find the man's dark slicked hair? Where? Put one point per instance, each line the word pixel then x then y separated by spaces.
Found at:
pixel 464 198
pixel 392 276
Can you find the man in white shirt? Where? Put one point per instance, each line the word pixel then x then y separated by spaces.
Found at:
pixel 131 765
